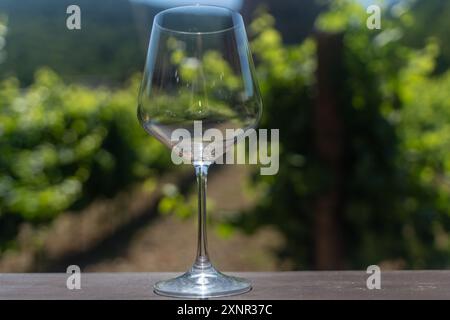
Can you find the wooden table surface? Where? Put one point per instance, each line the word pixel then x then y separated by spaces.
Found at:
pixel 266 285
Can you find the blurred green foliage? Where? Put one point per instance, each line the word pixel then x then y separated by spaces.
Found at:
pixel 107 49
pixel 397 135
pixel 63 145
pixel 430 19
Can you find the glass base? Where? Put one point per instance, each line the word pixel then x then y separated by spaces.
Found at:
pixel 202 282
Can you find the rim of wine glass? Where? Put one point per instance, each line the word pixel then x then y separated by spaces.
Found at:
pixel 235 13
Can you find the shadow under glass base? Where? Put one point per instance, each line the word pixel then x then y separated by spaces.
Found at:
pixel 202 282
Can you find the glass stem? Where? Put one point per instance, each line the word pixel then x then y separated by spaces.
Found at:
pixel 202 259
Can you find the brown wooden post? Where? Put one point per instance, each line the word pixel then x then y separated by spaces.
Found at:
pixel 328 133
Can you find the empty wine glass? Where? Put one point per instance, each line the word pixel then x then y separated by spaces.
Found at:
pixel 199 71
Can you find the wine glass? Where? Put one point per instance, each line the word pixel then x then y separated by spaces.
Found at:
pixel 199 71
